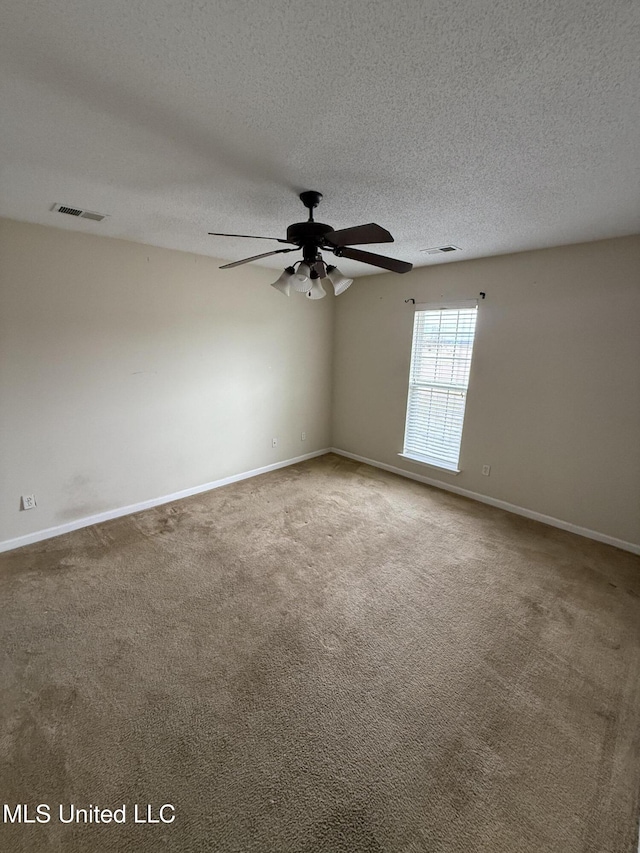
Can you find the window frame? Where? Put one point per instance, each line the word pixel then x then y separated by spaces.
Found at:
pixel 433 461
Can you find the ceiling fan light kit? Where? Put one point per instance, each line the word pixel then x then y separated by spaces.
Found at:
pixel 316 291
pixel 310 238
pixel 300 279
pixel 339 281
pixel 283 284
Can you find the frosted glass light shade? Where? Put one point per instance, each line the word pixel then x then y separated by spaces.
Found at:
pixel 283 284
pixel 316 291
pixel 300 280
pixel 339 281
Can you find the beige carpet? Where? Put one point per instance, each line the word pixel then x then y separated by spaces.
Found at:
pixel 325 658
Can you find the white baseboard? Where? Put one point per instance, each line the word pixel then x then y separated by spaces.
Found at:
pixel 517 510
pixel 87 521
pixel 50 532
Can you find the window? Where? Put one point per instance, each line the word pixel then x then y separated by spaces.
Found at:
pixel 438 381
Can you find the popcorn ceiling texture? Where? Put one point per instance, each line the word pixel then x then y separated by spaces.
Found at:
pixel 494 125
pixel 326 658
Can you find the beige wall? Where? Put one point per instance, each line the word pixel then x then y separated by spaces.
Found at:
pixel 554 397
pixel 129 372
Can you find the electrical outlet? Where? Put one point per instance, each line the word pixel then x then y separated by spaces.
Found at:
pixel 274 442
pixel 486 470
pixel 303 436
pixel 28 501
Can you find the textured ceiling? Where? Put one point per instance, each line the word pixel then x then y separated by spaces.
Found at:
pixel 493 125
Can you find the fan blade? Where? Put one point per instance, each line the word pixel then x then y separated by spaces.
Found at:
pixel 358 235
pixel 256 258
pixel 320 268
pixel 375 260
pixel 252 236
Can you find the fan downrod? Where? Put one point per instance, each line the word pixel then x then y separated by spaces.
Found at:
pixel 310 199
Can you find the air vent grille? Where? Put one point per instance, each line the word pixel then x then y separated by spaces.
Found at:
pixel 441 250
pixel 77 211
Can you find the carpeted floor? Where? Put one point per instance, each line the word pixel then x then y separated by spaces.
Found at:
pixel 326 658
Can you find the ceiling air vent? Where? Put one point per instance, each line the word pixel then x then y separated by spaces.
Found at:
pixel 441 250
pixel 77 211
pixel 72 211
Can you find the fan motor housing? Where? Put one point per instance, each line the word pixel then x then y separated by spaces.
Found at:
pixel 308 232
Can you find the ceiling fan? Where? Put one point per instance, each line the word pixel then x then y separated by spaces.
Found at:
pixel 311 238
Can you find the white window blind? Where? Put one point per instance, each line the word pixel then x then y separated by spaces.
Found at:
pixel 438 381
